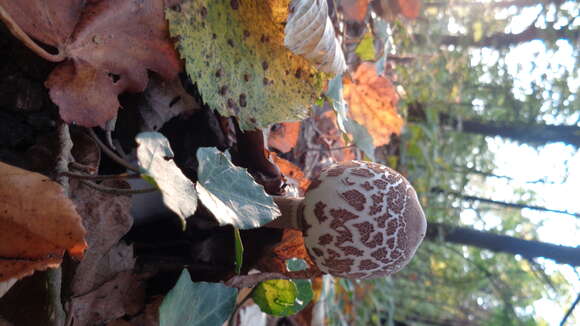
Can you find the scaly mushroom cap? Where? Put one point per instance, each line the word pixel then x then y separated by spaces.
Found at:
pixel 361 220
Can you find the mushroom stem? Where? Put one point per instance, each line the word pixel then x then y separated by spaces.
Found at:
pixel 289 207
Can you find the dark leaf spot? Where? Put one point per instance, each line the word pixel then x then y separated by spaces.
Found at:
pixel 242 101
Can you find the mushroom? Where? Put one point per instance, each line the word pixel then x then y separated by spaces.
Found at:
pixel 359 219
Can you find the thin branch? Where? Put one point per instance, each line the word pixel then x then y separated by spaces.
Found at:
pixel 117 191
pixel 24 38
pixel 112 154
pixel 570 310
pixel 248 281
pixel 56 313
pixel 331 148
pixel 121 176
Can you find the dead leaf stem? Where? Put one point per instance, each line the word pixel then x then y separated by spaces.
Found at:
pixel 24 38
pixel 112 154
pixel 121 176
pixel 117 191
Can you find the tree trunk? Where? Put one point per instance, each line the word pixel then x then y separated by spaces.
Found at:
pixel 532 134
pixel 502 203
pixel 501 243
pixel 505 40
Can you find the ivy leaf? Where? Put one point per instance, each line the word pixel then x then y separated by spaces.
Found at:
pixel 304 287
pixel 231 193
pixel 361 137
pixel 197 304
pixel 284 297
pixel 310 32
pixel 235 53
pixel 156 160
pixel 276 297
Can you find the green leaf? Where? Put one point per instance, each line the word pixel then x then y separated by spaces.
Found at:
pixel 361 136
pixel 230 192
pixel 236 56
pixel 239 248
pixel 276 297
pixel 197 304
pixel 366 49
pixel 156 162
pixel 304 287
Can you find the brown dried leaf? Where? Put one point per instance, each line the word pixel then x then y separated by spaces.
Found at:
pixel 164 100
pixel 291 246
pixel 102 40
pixel 107 219
pixel 37 223
pixel 372 101
pixel 355 10
pixel 292 173
pixel 123 295
pixel 284 136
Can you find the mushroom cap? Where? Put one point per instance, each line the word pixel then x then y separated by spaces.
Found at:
pixel 361 220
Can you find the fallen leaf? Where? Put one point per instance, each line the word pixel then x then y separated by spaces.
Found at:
pixel 355 10
pixel 156 160
pixel 113 299
pixel 37 223
pixel 372 101
pixel 309 32
pixel 197 304
pixel 291 246
pixel 293 174
pixel 235 53
pixel 163 100
pixel 284 136
pixel 106 218
pixel 108 47
pixel 231 193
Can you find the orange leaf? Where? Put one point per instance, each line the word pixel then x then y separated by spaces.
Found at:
pixel 108 46
pixel 284 136
pixel 355 10
pixel 291 246
pixel 37 223
pixel 409 8
pixel 292 173
pixel 372 101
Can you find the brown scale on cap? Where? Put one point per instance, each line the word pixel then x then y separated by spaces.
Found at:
pixel 363 220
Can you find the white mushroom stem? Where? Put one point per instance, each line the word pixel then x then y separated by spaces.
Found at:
pixel 289 207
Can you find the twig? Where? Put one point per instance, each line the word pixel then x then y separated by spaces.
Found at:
pixel 330 149
pixel 121 176
pixel 82 167
pixel 248 281
pixel 117 191
pixel 28 42
pixel 112 154
pixel 570 310
pixel 56 313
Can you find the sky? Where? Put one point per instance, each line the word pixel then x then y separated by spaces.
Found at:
pixel 557 162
